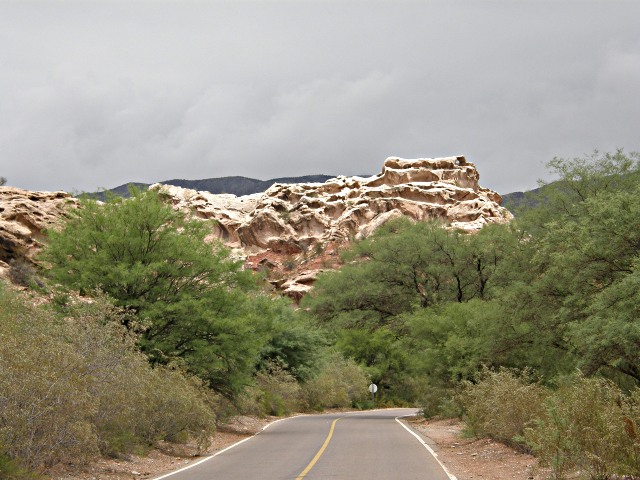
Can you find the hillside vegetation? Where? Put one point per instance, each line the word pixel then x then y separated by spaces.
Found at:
pixel 432 313
pixel 139 314
pixel 145 332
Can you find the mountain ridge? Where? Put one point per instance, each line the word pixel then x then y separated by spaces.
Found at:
pixel 236 185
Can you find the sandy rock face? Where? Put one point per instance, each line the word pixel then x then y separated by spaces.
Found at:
pixel 292 220
pixel 23 217
pixel 293 231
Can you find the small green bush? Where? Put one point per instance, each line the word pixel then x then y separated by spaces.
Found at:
pixel 340 383
pixel 590 425
pixel 441 402
pixel 502 403
pixel 278 391
pixel 11 470
pixel 23 273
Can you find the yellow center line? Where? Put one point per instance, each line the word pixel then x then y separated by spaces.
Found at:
pixel 320 452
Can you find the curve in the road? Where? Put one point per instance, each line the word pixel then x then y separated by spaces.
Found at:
pixel 357 447
pixel 429 449
pixel 320 452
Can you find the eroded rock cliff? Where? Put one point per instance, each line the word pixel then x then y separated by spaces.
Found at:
pixel 24 215
pixel 292 231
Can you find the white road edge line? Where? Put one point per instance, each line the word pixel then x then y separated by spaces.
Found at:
pixel 217 453
pixel 424 444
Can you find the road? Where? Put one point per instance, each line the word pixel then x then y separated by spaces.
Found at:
pixel 368 445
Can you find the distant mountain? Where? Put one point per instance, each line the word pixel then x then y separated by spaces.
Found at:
pixel 521 200
pixel 235 185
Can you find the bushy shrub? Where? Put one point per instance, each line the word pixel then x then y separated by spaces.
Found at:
pixel 23 273
pixel 278 392
pixel 73 387
pixel 12 470
pixel 43 392
pixel 590 425
pixel 437 401
pixel 341 383
pixel 500 404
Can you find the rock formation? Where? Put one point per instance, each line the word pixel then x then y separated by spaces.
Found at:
pixel 290 225
pixel 292 231
pixel 24 215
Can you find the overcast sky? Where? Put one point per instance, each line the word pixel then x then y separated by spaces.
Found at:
pixel 99 93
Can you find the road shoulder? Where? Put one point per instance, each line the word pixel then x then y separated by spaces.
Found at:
pixel 472 458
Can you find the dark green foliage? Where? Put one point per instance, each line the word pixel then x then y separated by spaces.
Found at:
pixel 384 305
pixel 293 343
pixel 585 263
pixel 11 469
pixel 554 291
pixel 191 300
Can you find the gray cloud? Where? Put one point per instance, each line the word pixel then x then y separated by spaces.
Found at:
pixel 95 94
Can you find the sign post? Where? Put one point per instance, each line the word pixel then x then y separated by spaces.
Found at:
pixel 373 388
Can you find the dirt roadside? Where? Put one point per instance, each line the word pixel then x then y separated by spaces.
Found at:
pixel 473 458
pixel 466 458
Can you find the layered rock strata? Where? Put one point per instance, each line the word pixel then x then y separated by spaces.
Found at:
pixel 290 224
pixel 24 216
pixel 292 231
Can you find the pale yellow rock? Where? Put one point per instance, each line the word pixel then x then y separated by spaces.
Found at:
pixel 24 215
pixel 292 220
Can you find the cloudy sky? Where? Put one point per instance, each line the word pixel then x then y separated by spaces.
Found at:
pixel 99 93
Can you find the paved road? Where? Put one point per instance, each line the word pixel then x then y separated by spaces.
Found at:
pixel 355 446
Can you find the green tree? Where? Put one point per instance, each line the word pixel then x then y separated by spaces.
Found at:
pixel 405 266
pixel 190 298
pixel 385 303
pixel 293 343
pixel 609 338
pixel 579 178
pixel 598 279
pixel 584 241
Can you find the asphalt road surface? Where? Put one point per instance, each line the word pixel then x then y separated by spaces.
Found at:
pixel 356 446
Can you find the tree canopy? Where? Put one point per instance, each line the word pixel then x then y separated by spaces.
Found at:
pixel 191 300
pixel 555 290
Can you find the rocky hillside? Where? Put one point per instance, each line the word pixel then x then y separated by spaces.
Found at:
pixel 24 215
pixel 293 231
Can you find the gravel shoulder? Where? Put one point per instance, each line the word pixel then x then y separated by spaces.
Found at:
pixel 473 458
pixel 466 458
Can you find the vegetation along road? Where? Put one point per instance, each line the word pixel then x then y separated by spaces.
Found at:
pixel 355 446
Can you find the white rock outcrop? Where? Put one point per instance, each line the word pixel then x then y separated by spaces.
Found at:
pixel 291 218
pixel 294 230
